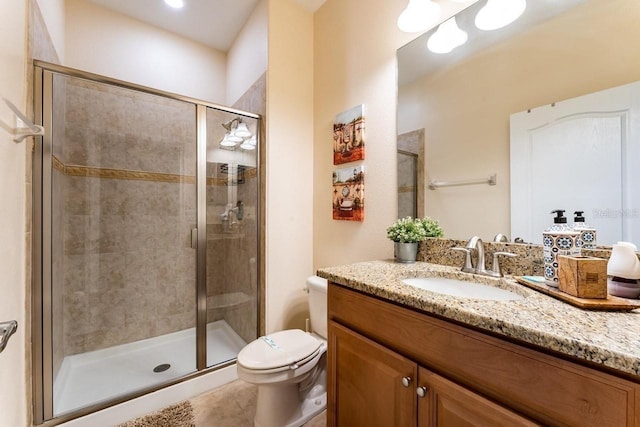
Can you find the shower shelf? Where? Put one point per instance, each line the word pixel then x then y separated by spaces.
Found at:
pixel 231 299
pixel 224 236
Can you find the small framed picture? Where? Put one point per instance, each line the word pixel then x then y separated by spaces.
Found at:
pixel 349 136
pixel 348 194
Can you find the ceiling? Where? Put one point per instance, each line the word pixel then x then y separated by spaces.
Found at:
pixel 416 61
pixel 214 23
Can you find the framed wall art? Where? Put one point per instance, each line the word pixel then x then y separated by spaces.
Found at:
pixel 348 194
pixel 349 136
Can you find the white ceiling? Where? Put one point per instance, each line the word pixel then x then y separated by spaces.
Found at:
pixel 415 60
pixel 215 23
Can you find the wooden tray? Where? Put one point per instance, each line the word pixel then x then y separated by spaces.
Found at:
pixel 611 303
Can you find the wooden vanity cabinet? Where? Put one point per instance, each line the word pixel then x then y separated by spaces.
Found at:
pixel 381 353
pixel 375 387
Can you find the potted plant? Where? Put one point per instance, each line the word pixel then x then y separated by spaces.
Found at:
pixel 432 227
pixel 407 232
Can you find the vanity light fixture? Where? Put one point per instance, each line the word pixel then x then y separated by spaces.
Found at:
pixel 499 13
pixel 447 37
pixel 176 4
pixel 237 132
pixel 420 15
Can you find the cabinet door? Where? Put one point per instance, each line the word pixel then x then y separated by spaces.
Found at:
pixel 447 404
pixel 366 383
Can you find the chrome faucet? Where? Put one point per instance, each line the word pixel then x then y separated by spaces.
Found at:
pixel 475 243
pixel 500 238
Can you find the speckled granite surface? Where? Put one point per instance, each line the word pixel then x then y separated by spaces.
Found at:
pixel 611 339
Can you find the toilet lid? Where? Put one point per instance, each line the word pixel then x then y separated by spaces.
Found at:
pixel 278 349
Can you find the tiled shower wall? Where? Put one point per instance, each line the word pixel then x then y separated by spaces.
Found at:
pixel 129 204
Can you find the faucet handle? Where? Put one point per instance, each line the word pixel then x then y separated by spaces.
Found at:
pixel 468 266
pixel 495 266
pixel 500 238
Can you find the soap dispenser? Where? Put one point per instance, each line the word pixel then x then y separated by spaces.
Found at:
pixel 558 239
pixel 587 237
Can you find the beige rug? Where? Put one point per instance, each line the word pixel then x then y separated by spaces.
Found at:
pixel 178 415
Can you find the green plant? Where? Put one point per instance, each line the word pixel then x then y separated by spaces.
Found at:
pixel 407 230
pixel 431 226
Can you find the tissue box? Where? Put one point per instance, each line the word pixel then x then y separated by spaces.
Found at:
pixel 582 277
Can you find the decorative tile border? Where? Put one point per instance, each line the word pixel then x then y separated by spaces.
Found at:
pixel 108 173
pixel 58 165
pixel 406 189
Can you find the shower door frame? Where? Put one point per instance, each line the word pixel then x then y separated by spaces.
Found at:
pixel 42 281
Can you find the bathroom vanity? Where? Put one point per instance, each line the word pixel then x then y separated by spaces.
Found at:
pixel 402 356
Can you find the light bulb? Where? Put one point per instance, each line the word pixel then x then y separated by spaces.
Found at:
pixel 242 130
pixel 229 141
pixel 447 37
pixel 499 13
pixel 420 15
pixel 247 145
pixel 176 4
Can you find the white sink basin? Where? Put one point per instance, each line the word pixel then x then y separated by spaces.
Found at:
pixel 460 288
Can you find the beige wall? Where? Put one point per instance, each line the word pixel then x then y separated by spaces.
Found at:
pixel 289 157
pixel 355 63
pixel 13 384
pixel 465 109
pixel 107 43
pixel 247 57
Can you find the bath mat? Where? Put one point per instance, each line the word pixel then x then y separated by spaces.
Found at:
pixel 178 415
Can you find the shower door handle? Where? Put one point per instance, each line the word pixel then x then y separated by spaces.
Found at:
pixel 194 238
pixel 6 330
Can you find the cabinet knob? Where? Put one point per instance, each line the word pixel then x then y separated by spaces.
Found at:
pixel 406 381
pixel 421 391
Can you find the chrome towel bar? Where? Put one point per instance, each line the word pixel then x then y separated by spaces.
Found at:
pixel 490 181
pixel 25 127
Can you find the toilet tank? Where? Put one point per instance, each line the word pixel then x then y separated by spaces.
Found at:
pixel 318 304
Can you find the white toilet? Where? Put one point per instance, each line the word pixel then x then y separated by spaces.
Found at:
pixel 289 367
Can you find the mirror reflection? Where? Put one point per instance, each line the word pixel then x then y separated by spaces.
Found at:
pixel 463 102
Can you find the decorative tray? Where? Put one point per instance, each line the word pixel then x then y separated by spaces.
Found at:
pixel 611 303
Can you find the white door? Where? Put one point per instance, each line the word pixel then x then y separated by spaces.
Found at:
pixel 581 154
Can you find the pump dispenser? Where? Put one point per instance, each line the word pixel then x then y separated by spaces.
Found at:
pixel 558 239
pixel 587 237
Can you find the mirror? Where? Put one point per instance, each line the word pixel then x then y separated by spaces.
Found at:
pixel 463 102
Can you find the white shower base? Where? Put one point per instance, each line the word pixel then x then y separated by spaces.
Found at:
pixel 88 378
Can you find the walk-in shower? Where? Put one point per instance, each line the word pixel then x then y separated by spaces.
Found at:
pixel 146 239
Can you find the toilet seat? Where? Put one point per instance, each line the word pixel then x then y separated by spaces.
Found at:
pixel 280 351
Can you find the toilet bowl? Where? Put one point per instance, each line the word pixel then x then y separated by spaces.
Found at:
pixel 289 367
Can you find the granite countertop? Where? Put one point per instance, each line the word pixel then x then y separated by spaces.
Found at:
pixel 607 338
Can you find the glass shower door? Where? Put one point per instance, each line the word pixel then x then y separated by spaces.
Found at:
pixel 407 184
pixel 232 234
pixel 123 270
